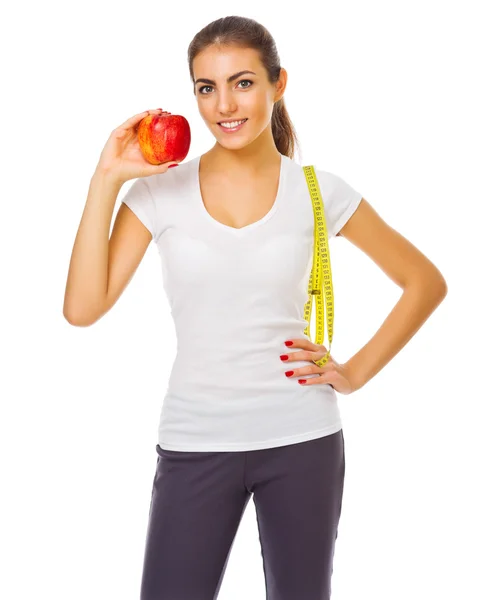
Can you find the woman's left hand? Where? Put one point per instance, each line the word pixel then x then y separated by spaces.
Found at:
pixel 332 373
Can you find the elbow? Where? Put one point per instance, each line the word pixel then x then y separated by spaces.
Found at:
pixel 82 314
pixel 439 285
pixel 436 288
pixel 444 288
pixel 77 321
pixel 431 283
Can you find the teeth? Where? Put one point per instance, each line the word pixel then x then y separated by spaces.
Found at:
pixel 233 124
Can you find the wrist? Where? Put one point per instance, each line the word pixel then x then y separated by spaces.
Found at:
pixel 354 375
pixel 107 177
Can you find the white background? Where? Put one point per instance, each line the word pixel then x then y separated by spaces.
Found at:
pixel 399 99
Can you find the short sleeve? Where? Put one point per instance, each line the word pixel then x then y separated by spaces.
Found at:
pixel 340 201
pixel 140 200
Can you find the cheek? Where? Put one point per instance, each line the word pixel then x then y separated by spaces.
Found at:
pixel 262 109
pixel 205 115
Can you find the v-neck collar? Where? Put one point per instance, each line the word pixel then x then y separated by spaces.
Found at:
pixel 251 226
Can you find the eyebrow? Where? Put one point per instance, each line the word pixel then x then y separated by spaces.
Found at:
pixel 229 79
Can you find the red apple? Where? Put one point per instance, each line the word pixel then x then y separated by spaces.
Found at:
pixel 164 137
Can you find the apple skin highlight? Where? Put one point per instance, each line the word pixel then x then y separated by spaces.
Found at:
pixel 164 138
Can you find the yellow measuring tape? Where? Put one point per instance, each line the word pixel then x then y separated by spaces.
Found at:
pixel 321 275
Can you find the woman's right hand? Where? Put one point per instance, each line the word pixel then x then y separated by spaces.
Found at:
pixel 122 158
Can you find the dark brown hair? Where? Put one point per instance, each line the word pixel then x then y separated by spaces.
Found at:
pixel 248 33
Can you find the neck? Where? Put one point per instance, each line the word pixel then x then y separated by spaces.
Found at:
pixel 259 155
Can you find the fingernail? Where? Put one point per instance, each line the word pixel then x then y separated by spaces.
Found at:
pixel 302 380
pixel 288 343
pixel 171 166
pixel 289 373
pixel 284 357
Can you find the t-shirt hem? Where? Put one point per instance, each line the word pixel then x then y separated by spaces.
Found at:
pixel 274 443
pixel 142 216
pixel 344 218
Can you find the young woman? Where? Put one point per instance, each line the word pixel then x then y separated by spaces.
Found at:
pixel 248 413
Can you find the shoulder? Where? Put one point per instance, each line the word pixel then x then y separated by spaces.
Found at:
pixel 328 180
pixel 340 199
pixel 334 189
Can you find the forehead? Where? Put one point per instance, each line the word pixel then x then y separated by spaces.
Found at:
pixel 222 61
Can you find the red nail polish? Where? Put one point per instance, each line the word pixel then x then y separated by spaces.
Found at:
pixel 284 357
pixel 289 373
pixel 302 380
pixel 288 343
pixel 171 166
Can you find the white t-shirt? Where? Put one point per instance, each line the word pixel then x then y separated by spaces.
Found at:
pixel 235 296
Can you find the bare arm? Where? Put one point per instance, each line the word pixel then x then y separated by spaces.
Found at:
pixel 100 268
pixel 90 270
pixel 423 285
pixel 87 278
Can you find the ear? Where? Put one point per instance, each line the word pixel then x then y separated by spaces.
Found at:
pixel 281 84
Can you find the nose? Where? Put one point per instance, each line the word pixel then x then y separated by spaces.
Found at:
pixel 226 104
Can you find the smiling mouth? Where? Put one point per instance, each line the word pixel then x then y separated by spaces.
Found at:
pixel 230 129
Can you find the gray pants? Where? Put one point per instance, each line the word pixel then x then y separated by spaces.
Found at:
pixel 197 503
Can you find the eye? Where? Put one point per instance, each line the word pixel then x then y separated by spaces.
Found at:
pixel 241 81
pixel 248 81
